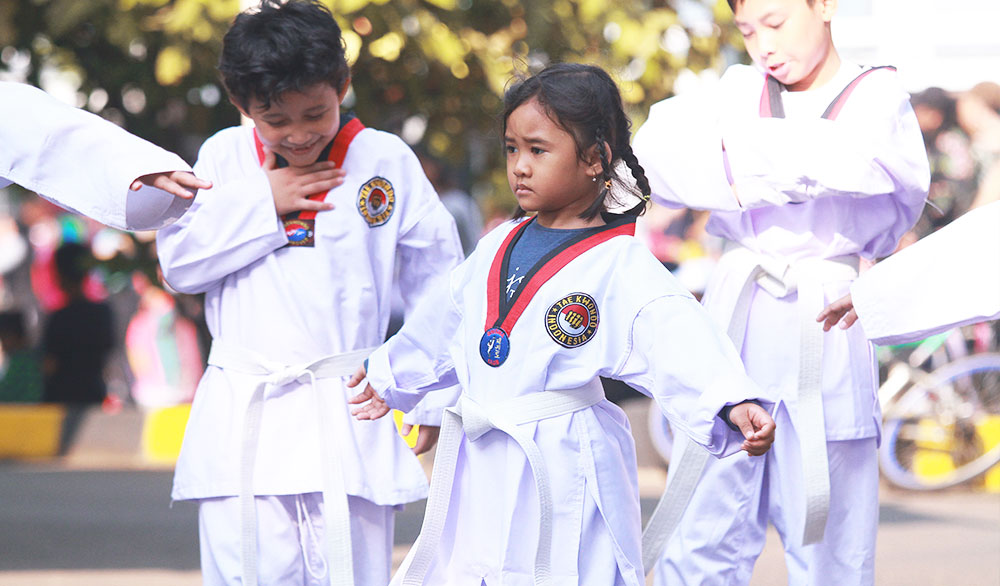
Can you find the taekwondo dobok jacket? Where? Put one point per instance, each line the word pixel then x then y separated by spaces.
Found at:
pixel 612 310
pixel 269 298
pixel 809 188
pixel 82 162
pixel 946 279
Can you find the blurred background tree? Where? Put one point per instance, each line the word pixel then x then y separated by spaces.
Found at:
pixel 432 71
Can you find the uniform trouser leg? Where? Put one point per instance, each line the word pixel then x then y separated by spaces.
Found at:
pixel 290 540
pixel 846 555
pixel 723 528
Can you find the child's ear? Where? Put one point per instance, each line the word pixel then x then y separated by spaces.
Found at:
pixel 593 158
pixel 827 8
pixel 342 92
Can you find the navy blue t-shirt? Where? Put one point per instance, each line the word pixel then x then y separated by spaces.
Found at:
pixel 534 243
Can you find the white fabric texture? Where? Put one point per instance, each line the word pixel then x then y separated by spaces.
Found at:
pixel 652 334
pixel 947 279
pixel 769 489
pixel 296 305
pixel 82 162
pixel 290 541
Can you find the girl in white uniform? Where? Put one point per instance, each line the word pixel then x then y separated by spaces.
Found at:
pixel 535 474
pixel 291 489
pixel 88 165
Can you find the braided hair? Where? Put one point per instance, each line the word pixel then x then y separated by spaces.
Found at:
pixel 584 100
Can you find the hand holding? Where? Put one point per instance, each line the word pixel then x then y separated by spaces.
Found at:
pixel 292 186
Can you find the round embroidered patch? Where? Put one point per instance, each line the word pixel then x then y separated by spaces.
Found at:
pixel 376 200
pixel 572 321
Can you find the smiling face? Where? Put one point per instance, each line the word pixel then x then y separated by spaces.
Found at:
pixel 299 124
pixel 790 39
pixel 544 168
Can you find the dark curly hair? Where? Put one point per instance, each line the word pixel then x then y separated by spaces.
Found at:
pixel 281 47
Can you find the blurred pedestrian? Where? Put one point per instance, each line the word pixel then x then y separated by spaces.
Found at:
pixel 20 365
pixel 78 338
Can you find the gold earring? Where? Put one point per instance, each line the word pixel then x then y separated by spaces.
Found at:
pixel 607 183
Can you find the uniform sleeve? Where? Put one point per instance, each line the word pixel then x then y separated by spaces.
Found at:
pixel 226 229
pixel 690 368
pixel 82 162
pixel 416 360
pixel 428 250
pixel 680 148
pixel 873 148
pixel 948 279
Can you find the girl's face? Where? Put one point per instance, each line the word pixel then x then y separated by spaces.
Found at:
pixel 790 39
pixel 300 124
pixel 544 170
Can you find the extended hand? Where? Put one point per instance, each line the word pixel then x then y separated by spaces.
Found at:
pixel 427 436
pixel 180 183
pixel 841 308
pixel 756 425
pixel 292 186
pixel 374 406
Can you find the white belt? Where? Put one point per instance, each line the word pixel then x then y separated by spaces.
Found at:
pixel 475 420
pixel 780 279
pixel 336 514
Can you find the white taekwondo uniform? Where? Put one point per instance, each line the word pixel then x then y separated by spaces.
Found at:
pixel 82 162
pixel 947 279
pixel 612 311
pixel 817 189
pixel 270 303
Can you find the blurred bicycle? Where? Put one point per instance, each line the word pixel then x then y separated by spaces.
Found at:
pixel 941 410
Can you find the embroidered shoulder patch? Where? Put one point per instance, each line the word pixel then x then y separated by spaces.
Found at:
pixel 572 321
pixel 376 200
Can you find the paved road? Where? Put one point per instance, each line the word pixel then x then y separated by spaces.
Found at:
pixel 63 526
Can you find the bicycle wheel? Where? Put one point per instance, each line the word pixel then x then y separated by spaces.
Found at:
pixel 945 429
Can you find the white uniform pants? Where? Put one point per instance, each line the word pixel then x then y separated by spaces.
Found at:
pixel 290 540
pixel 724 527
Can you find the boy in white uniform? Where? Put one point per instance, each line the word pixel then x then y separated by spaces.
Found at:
pixel 808 163
pixel 294 300
pixel 88 165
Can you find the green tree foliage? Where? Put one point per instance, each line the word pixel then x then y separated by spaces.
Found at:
pixel 433 70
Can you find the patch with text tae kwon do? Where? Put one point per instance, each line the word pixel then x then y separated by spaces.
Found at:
pixel 376 200
pixel 572 321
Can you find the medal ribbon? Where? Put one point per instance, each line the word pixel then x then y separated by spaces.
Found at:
pixel 503 314
pixel 337 154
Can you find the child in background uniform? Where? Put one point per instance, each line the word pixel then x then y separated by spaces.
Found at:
pixel 539 467
pixel 296 252
pixel 88 165
pixel 807 162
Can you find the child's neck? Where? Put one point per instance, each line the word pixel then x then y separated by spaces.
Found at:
pixel 557 221
pixel 825 71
